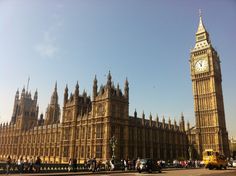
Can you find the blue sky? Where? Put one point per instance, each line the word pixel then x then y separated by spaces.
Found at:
pixel 148 42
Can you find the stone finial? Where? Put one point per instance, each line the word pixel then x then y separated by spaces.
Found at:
pixel 126 89
pixel 109 79
pixel 150 120
pixel 135 113
pixel 163 122
pixel 175 124
pixel 157 121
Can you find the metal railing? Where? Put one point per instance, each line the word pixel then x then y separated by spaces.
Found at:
pixel 46 168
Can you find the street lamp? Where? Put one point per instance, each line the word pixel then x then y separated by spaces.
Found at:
pixel 190 152
pixel 113 143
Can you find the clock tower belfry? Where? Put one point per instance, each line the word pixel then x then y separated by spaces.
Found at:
pixel 210 130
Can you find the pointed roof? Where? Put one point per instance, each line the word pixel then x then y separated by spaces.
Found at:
pixel 55 88
pixel 54 97
pixel 201 28
pixel 202 36
pixel 95 80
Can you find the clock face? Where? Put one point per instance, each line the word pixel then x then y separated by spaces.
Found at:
pixel 201 65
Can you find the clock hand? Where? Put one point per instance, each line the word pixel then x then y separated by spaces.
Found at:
pixel 200 64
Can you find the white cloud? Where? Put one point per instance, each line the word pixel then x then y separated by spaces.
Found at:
pixel 47 48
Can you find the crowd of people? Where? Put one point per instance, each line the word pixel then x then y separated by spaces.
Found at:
pixel 23 164
pixel 127 164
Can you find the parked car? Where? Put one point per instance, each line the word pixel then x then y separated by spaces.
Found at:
pixel 148 165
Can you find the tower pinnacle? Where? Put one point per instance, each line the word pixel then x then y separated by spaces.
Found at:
pixel 202 36
pixel 55 88
pixel 201 27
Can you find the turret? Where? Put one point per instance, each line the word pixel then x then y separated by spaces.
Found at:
pixel 163 122
pixel 157 121
pixel 95 87
pixel 23 92
pixel 118 90
pixel 52 115
pixel 54 98
pixel 188 126
pixel 126 89
pixel 135 113
pixel 17 95
pixel 182 122
pixel 13 118
pixel 175 124
pixel 85 96
pixel 143 119
pixel 41 120
pixel 150 120
pixel 109 80
pixel 169 123
pixel 76 94
pixel 66 95
pixel 36 95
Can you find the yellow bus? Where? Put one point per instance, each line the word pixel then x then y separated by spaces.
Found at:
pixel 213 159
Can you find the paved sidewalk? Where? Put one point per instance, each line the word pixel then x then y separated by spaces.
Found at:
pixel 71 173
pixel 91 173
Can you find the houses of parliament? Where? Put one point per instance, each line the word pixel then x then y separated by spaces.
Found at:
pixel 88 123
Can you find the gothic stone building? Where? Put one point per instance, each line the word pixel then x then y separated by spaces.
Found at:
pixel 86 128
pixel 87 125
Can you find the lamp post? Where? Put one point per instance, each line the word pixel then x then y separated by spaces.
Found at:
pixel 190 152
pixel 113 143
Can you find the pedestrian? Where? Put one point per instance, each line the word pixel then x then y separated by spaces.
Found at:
pixel 70 165
pixel 137 165
pixel 31 164
pixel 125 165
pixel 37 164
pixel 106 165
pixel 26 164
pixel 20 164
pixel 112 164
pixel 74 165
pixel 8 166
pixel 94 164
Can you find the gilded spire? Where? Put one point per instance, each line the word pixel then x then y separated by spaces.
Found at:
pixel 202 36
pixel 201 27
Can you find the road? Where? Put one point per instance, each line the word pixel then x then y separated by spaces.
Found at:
pixel 186 172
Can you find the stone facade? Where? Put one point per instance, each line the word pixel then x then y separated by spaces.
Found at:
pixel 210 129
pixel 87 126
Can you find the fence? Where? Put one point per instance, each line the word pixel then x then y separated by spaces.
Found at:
pixel 46 168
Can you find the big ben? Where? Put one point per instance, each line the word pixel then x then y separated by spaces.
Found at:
pixel 210 129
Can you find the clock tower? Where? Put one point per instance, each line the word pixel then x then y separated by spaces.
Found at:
pixel 210 130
